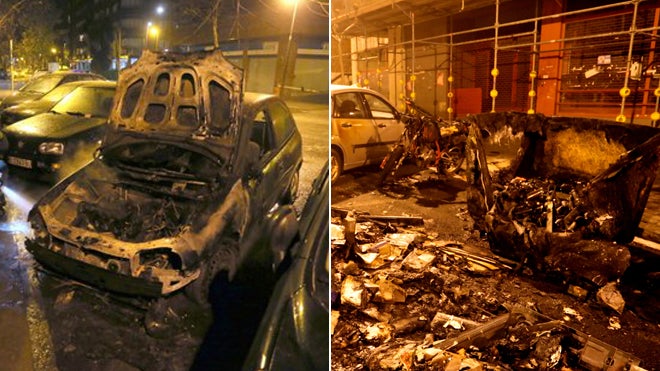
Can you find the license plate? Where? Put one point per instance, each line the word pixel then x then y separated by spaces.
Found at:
pixel 17 161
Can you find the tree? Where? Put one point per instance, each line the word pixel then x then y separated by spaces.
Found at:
pixel 96 21
pixel 201 13
pixel 34 48
pixel 19 18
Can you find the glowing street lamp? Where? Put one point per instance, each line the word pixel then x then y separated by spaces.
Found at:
pixel 160 9
pixel 53 51
pixel 146 35
pixel 154 32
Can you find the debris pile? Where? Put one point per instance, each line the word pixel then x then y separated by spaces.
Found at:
pixel 402 300
pixel 555 206
pixel 129 220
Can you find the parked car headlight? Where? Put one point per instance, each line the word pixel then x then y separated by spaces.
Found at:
pixel 51 148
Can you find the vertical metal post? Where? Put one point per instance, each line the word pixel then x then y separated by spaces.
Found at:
pixel 625 90
pixel 450 79
pixel 413 95
pixel 533 73
pixel 11 63
pixel 495 71
pixel 288 49
pixel 118 51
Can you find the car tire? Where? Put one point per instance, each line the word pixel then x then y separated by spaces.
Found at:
pixel 292 191
pixel 336 164
pixel 198 291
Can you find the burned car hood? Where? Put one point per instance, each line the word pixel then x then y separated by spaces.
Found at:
pixel 53 125
pixel 185 97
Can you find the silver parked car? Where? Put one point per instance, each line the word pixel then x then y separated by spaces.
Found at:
pixel 364 127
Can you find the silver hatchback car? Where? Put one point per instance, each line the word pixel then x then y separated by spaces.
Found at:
pixel 364 128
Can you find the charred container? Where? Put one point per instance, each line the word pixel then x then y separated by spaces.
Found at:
pixel 560 194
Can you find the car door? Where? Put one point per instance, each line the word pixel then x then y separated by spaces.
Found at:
pixel 289 143
pixel 273 129
pixel 354 129
pixel 385 120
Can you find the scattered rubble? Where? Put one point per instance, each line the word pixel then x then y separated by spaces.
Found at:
pixel 427 307
pixel 611 297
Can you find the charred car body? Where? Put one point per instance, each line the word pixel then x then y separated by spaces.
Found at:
pixel 178 191
pixel 572 196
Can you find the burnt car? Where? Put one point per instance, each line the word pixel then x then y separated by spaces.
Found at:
pixel 571 196
pixel 39 86
pixel 53 144
pixel 294 332
pixel 178 191
pixel 27 109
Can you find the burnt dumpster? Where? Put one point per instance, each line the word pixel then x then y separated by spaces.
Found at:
pixel 565 194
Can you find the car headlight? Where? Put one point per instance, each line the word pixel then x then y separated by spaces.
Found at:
pixel 40 233
pixel 51 148
pixel 163 258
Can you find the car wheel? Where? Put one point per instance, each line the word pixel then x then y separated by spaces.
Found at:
pixel 336 164
pixel 198 291
pixel 292 191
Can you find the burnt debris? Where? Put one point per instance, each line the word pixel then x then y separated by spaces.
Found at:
pixel 403 300
pixel 573 193
pixel 131 222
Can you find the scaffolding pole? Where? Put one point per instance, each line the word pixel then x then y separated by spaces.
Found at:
pixel 625 91
pixel 494 72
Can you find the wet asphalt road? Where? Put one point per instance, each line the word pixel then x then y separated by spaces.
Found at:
pixel 52 323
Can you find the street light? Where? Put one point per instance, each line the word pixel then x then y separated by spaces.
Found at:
pixel 154 32
pixel 288 44
pixel 53 51
pixel 146 35
pixel 160 9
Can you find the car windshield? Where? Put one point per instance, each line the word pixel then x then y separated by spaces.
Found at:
pixel 43 84
pixel 149 159
pixel 87 101
pixel 58 93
